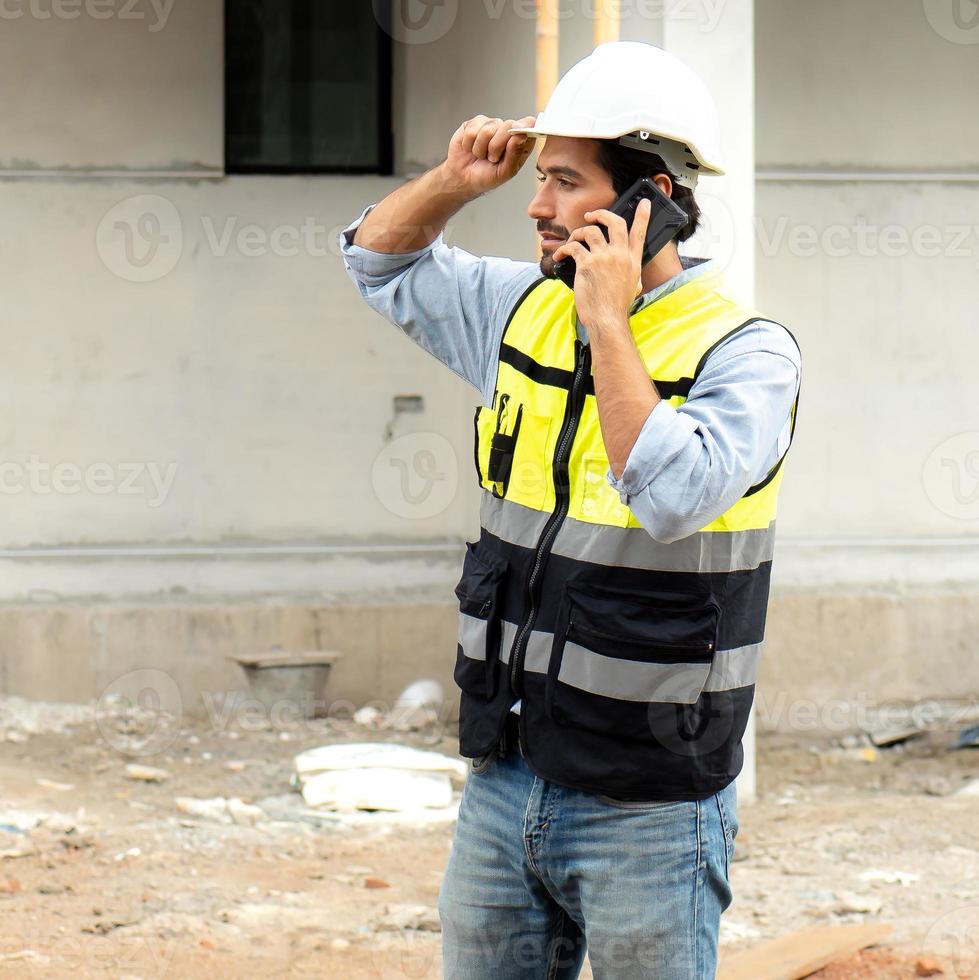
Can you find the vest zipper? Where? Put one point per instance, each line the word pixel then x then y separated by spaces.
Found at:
pixel 562 494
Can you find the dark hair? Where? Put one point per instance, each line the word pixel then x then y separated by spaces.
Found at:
pixel 625 166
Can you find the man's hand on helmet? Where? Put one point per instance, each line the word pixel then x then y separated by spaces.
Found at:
pixel 483 154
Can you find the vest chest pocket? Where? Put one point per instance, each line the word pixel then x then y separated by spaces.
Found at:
pixel 618 659
pixel 512 445
pixel 478 651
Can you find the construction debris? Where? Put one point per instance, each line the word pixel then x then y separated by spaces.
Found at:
pixel 852 902
pixel 423 918
pixel 376 776
pixel 800 953
pixel 968 739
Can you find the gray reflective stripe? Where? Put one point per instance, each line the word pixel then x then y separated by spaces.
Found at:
pixel 734 668
pixel 509 632
pixel 630 547
pixel 730 669
pixel 512 522
pixel 630 680
pixel 633 547
pixel 538 648
pixel 472 636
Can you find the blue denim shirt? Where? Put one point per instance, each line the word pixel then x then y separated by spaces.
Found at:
pixel 689 464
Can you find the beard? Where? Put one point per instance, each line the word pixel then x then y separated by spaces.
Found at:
pixel 547 264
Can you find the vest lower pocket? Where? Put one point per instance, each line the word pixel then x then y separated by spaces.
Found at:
pixel 620 661
pixel 478 649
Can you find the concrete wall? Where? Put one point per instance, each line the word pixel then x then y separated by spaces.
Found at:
pixel 219 360
pixel 867 237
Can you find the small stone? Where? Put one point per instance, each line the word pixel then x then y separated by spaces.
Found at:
pixel 244 814
pixel 145 774
pixel 852 902
pixel 927 967
pixel 340 944
pixel 375 883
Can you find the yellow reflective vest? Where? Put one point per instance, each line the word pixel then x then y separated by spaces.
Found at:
pixel 635 660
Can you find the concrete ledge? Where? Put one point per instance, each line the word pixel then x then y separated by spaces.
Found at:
pixel 78 652
pixel 828 657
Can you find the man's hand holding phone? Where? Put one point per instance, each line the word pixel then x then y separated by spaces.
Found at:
pixel 607 276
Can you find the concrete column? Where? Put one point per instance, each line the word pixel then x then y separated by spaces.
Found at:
pixel 717 41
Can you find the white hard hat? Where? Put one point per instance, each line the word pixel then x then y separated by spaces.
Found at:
pixel 646 97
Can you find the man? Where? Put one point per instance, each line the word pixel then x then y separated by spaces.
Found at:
pixel 629 446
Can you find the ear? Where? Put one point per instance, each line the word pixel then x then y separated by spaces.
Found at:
pixel 663 182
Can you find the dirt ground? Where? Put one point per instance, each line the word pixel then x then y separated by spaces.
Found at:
pixel 101 876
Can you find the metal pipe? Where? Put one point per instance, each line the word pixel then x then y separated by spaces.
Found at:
pixel 607 21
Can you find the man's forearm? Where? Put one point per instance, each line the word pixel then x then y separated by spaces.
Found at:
pixel 623 390
pixel 414 215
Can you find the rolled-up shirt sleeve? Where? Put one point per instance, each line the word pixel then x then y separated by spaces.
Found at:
pixel 450 302
pixel 691 464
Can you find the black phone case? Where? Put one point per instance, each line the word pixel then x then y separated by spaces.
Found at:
pixel 666 221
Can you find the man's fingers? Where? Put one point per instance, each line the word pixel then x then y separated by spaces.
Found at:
pixel 574 250
pixel 486 133
pixel 590 235
pixel 501 139
pixel 618 232
pixel 471 129
pixel 637 234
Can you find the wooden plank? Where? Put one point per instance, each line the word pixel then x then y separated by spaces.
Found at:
pixel 801 952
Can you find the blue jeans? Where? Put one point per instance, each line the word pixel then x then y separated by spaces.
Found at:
pixel 536 868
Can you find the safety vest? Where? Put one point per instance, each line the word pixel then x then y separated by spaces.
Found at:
pixel 635 660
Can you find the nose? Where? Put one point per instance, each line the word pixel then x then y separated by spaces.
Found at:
pixel 541 208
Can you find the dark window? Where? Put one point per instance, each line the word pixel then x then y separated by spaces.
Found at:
pixel 307 86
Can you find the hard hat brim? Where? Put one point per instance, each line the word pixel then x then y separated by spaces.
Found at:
pixel 538 133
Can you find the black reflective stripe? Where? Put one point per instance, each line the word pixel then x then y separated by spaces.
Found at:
pixel 519 361
pixel 479 474
pixel 561 378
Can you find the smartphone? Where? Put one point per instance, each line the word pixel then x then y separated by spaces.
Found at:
pixel 666 221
